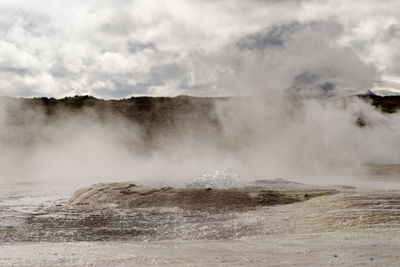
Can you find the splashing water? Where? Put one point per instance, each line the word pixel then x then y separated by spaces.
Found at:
pixel 220 179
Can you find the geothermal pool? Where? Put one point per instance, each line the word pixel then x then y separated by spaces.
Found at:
pixel 358 226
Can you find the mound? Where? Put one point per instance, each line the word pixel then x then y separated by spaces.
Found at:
pixel 128 195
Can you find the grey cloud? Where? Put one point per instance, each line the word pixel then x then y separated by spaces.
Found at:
pixel 328 28
pixel 159 74
pixel 389 33
pixel 277 35
pixel 327 87
pixel 59 71
pixel 321 90
pixel 394 30
pixel 35 24
pixel 274 36
pixel 136 47
pixel 30 23
pixel 307 62
pixel 306 78
pixel 120 24
pixel 15 71
pixel 386 43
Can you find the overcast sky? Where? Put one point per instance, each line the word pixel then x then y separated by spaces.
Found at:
pixel 120 48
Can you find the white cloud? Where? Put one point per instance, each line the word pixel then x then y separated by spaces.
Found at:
pixel 58 48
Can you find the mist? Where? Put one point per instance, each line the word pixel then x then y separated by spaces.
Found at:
pixel 257 138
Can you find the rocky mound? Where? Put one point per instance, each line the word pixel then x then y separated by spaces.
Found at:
pixel 129 195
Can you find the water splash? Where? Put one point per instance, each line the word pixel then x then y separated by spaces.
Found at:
pixel 219 179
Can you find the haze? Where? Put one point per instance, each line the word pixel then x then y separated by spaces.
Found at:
pixel 296 63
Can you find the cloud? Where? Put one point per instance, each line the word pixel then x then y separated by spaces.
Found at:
pixel 118 48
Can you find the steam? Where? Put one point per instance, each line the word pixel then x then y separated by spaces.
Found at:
pixel 258 138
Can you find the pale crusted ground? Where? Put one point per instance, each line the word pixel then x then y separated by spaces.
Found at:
pixel 356 227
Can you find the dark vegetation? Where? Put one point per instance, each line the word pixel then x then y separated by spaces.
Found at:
pixel 387 104
pixel 156 116
pixel 162 110
pixel 153 113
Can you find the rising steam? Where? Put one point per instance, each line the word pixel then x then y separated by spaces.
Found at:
pixel 257 137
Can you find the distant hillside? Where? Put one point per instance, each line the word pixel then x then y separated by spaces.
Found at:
pixel 140 108
pixel 159 109
pixel 388 104
pixel 152 113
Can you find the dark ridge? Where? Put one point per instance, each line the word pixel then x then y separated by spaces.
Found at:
pixel 135 107
pixel 156 116
pixel 159 109
pixel 387 104
pixel 130 106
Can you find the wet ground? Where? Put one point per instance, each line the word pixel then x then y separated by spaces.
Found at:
pixel 28 214
pixel 359 226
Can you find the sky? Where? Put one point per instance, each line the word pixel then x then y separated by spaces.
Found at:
pixel 122 48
